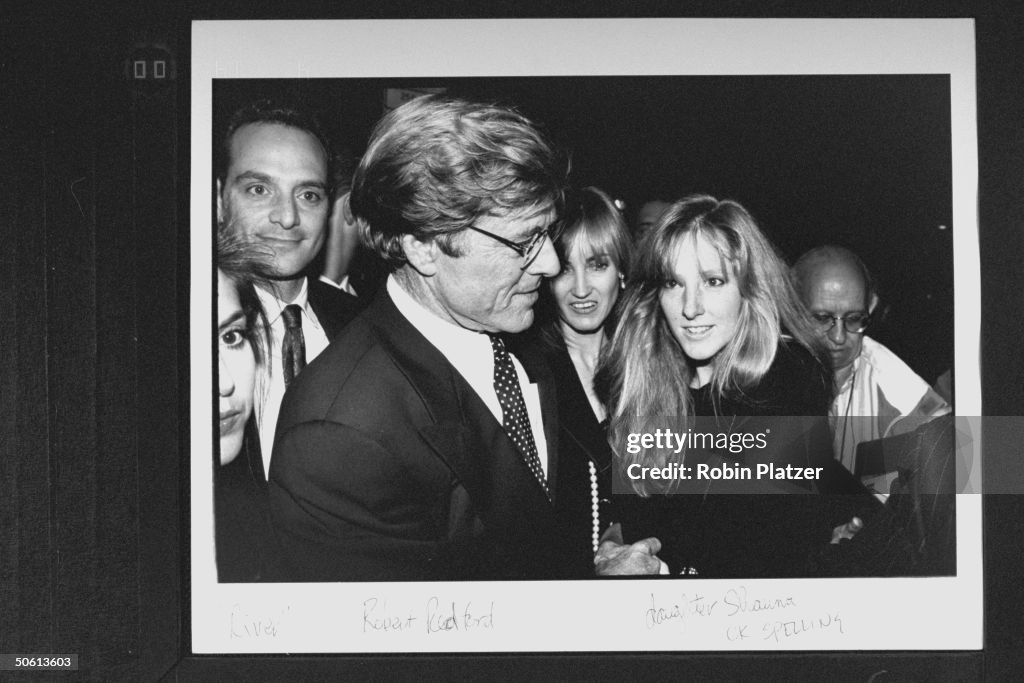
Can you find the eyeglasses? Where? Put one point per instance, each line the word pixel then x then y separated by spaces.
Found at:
pixel 855 323
pixel 529 248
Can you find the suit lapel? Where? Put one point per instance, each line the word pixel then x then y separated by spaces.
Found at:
pixel 463 432
pixel 333 307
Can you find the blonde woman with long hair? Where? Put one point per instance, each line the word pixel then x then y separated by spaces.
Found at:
pixel 713 339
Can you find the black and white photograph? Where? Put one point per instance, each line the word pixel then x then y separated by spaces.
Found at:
pixel 534 341
pixel 467 313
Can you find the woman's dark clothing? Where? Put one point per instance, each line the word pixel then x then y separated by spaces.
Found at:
pixel 763 532
pixel 581 440
pixel 242 515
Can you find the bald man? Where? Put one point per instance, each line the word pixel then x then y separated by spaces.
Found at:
pixel 880 392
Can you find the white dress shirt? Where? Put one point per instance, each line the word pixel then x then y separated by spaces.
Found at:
pixel 472 356
pixel 880 397
pixel 270 383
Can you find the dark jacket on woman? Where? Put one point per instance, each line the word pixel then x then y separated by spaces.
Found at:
pixel 581 440
pixel 710 528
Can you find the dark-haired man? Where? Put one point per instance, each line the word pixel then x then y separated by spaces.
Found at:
pixel 272 190
pixel 418 447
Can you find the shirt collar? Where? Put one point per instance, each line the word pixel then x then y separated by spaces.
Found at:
pixel 449 338
pixel 851 373
pixel 273 306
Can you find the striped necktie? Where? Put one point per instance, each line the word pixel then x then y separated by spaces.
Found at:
pixel 293 349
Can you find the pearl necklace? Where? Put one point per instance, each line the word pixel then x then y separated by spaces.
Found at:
pixel 595 504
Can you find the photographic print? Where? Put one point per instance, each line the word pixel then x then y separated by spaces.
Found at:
pixel 859 134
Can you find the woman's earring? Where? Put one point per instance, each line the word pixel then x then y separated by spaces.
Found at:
pixel 622 281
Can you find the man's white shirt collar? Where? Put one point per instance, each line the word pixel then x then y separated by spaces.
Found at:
pixel 454 342
pixel 273 306
pixel 471 354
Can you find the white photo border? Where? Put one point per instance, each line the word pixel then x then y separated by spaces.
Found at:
pixel 826 614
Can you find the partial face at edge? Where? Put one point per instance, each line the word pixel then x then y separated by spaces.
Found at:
pixel 236 369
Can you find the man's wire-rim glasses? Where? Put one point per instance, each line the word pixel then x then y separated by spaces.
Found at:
pixel 855 323
pixel 529 248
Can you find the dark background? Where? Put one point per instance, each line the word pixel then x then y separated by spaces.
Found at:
pixel 93 345
pixel 862 161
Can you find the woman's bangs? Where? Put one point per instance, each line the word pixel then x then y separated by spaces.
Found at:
pixel 727 251
pixel 593 239
pixel 663 254
pixel 596 241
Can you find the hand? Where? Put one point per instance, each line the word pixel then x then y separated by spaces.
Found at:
pixel 847 531
pixel 619 559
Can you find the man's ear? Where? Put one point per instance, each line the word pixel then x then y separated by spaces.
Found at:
pixel 421 254
pixel 346 208
pixel 220 203
pixel 872 304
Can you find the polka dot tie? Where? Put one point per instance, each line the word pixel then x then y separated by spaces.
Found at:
pixel 293 348
pixel 515 419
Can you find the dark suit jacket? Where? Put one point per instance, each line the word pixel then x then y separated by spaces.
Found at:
pixel 388 466
pixel 243 534
pixel 333 307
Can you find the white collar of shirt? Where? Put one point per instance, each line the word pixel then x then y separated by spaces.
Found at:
pixel 472 356
pixel 344 284
pixel 470 352
pixel 274 306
